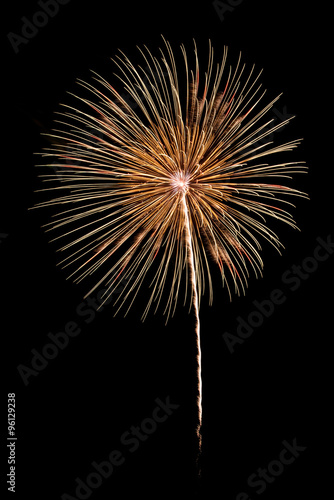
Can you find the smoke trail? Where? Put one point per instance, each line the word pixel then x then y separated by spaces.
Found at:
pixel 196 306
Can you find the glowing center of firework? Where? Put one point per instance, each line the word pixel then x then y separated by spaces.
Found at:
pixel 180 182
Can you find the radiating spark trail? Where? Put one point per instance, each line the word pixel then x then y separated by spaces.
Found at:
pixel 188 240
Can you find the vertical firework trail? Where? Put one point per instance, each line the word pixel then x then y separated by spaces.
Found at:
pixel 196 307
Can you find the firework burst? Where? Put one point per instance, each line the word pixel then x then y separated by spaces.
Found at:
pixel 171 182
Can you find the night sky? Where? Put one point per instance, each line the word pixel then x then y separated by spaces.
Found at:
pixel 117 396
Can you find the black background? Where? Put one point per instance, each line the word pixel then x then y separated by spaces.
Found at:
pixel 274 387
